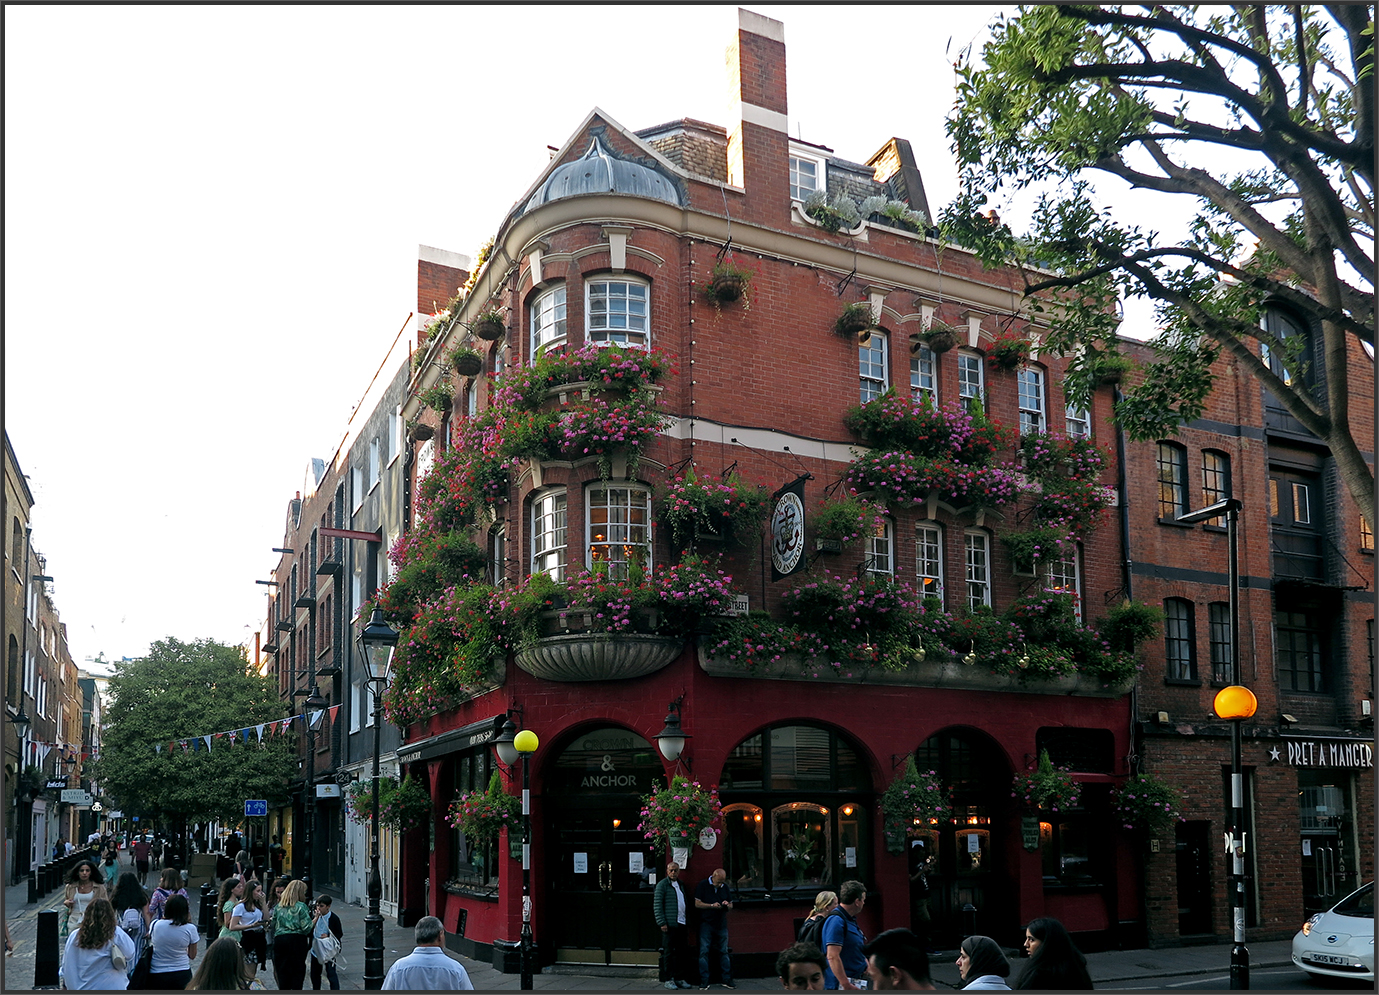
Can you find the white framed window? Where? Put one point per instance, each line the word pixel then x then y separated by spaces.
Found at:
pixel 396 441
pixel 922 383
pixel 1064 574
pixel 1077 422
pixel 548 533
pixel 971 385
pixel 471 396
pixel 804 177
pixel 880 552
pixel 1031 389
pixel 368 703
pixel 619 527
pixel 356 706
pixel 547 322
pixel 357 485
pixel 929 559
pixel 618 312
pixel 426 456
pixel 498 555
pixel 374 462
pixel 872 367
pixel 978 551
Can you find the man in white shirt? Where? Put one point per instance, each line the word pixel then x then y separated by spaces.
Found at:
pixel 428 967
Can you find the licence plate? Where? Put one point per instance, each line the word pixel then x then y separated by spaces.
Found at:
pixel 1334 959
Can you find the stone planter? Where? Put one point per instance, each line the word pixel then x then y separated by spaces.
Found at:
pixel 568 393
pixel 599 656
pixel 945 674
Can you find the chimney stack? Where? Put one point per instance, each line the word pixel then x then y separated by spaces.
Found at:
pixel 758 136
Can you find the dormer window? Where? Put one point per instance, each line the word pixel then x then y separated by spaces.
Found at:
pixel 808 172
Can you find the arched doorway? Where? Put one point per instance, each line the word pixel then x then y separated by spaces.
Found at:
pixel 601 869
pixel 968 888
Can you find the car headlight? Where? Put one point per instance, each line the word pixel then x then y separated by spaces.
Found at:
pixel 1307 926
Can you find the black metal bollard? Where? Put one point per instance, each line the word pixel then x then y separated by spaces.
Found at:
pixel 34 894
pixel 208 913
pixel 47 952
pixel 969 919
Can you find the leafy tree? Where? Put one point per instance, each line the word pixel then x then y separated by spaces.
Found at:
pixel 180 691
pixel 1262 119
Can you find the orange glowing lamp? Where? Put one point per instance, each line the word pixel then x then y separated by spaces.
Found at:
pixel 1235 702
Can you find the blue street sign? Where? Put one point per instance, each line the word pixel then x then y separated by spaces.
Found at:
pixel 255 806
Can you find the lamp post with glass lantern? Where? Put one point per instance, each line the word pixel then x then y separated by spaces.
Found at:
pixel 377 642
pixel 313 701
pixel 1235 704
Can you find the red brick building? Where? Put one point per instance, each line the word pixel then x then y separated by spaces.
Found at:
pixel 615 244
pixel 1306 564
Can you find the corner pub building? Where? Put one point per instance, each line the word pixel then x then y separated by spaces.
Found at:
pixel 613 244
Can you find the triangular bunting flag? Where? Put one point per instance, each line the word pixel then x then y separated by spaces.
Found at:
pixel 208 743
pixel 334 710
pixel 315 718
pixel 259 729
pixel 158 747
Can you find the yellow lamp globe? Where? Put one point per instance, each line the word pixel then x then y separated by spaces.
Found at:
pixel 526 741
pixel 1235 702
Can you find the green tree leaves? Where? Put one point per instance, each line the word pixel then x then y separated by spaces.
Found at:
pixel 183 690
pixel 1260 119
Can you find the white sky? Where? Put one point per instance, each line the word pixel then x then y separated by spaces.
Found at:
pixel 212 216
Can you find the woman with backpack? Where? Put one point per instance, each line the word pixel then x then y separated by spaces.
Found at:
pixel 812 929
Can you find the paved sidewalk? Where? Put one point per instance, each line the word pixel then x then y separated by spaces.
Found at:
pixel 1115 965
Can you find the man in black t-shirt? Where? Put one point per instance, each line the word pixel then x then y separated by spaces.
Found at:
pixel 712 899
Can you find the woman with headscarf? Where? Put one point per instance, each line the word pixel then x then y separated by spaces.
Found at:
pixel 983 965
pixel 1055 963
pixel 98 952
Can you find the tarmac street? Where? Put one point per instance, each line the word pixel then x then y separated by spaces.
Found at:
pixel 1169 969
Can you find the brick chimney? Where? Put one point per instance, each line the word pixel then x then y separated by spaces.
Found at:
pixel 758 135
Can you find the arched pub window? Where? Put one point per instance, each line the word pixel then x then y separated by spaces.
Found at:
pixel 796 800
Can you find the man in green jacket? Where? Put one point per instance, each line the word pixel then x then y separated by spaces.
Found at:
pixel 669 903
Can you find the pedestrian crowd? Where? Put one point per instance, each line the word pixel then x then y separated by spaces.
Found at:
pixel 119 936
pixel 831 951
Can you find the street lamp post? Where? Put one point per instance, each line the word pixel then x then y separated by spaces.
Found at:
pixel 377 641
pixel 525 742
pixel 1234 703
pixel 314 700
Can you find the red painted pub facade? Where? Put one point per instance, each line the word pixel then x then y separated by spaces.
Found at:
pixel 616 244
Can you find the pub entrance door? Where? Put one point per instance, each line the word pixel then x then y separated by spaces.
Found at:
pixel 969 889
pixel 603 870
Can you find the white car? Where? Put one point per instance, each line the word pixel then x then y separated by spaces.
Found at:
pixel 1339 943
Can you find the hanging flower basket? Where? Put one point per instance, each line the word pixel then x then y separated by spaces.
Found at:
pixel 855 318
pixel 1008 351
pixel 467 362
pixel 1110 368
pixel 675 814
pixel 1046 787
pixel 481 814
pixel 940 337
pixel 1146 804
pixel 912 797
pixel 420 433
pixel 489 326
pixel 728 283
pixel 401 807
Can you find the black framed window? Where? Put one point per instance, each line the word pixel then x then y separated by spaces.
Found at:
pixel 1219 623
pixel 473 867
pixel 1299 640
pixel 1366 535
pixel 796 801
pixel 1180 640
pixel 1089 751
pixel 1216 482
pixel 1172 460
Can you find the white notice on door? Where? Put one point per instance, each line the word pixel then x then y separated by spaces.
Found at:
pixel 974 843
pixel 850 856
pixel 1307 848
pixel 581 863
pixel 634 863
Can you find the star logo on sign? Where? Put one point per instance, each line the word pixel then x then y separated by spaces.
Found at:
pixel 1274 755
